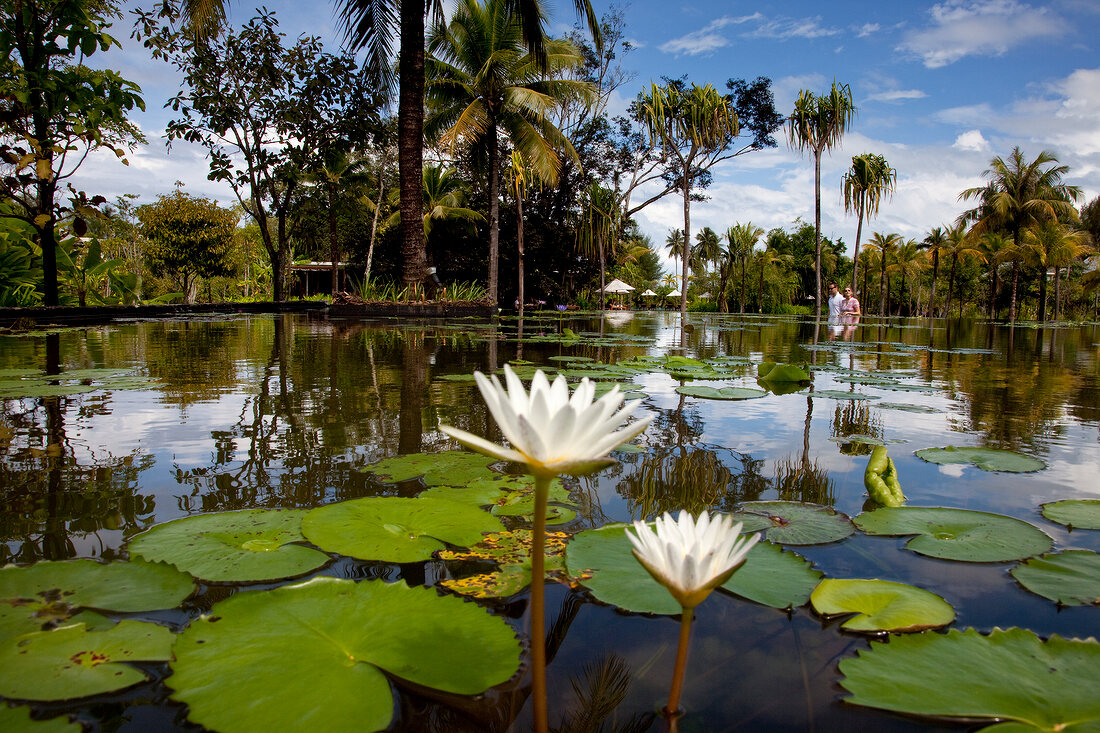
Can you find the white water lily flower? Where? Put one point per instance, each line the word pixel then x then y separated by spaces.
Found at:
pixel 691 557
pixel 550 430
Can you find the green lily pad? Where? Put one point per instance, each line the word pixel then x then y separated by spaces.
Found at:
pixel 839 394
pixel 881 605
pixel 1010 675
pixel 243 547
pixel 958 534
pixel 71 661
pixel 31 390
pixel 509 496
pixel 602 561
pixel 512 552
pixel 987 459
pixel 1074 513
pixel 394 529
pixel 771 372
pixel 904 407
pixel 18 720
pixel 315 655
pixel 1070 578
pixel 449 468
pixel 794 523
pixel 906 387
pixel 721 393
pixel 44 595
pixel 859 438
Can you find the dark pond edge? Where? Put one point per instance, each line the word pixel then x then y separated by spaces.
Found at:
pixel 75 316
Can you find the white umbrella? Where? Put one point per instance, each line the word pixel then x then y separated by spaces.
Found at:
pixel 648 292
pixel 673 294
pixel 616 287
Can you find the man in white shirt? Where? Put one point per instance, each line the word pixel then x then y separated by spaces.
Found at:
pixel 836 300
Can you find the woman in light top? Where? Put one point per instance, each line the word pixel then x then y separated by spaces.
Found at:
pixel 849 309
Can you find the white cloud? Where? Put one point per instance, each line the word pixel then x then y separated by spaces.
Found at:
pixel 972 140
pixel 867 29
pixel 979 27
pixel 895 95
pixel 786 28
pixel 706 39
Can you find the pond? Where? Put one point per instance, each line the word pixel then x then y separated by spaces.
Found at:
pixel 182 418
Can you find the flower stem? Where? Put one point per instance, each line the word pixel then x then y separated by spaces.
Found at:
pixel 538 604
pixel 673 707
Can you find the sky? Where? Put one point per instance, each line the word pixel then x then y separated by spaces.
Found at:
pixel 940 89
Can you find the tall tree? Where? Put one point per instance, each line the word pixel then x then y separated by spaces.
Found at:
pixel 960 246
pixel 57 110
pixel 597 229
pixel 864 185
pixel 707 249
pixel 482 81
pixel 1019 194
pixel 741 239
pixel 935 242
pixel 694 127
pixel 885 245
pixel 817 124
pixel 1053 245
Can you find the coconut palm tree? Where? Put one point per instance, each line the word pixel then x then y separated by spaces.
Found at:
pixel 908 264
pixel 1020 194
pixel 864 184
pixel 817 124
pixel 674 243
pixel 690 125
pixel 741 239
pixel 1053 245
pixel 444 199
pixel 707 249
pixel 338 170
pixel 597 230
pixel 482 81
pixel 995 249
pixel 960 246
pixel 934 243
pixel 884 244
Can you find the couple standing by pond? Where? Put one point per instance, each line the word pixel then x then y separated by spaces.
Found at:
pixel 844 311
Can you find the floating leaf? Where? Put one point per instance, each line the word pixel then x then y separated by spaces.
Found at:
pixel 906 407
pixel 18 720
pixel 987 459
pixel 837 394
pixel 245 546
pixel 881 605
pixel 722 393
pixel 48 593
pixel 394 529
pixel 602 561
pixel 771 372
pixel 512 551
pixel 1074 513
pixel 1071 578
pixel 795 523
pixel 958 534
pixel 449 468
pixel 1010 675
pixel 312 655
pixel 73 662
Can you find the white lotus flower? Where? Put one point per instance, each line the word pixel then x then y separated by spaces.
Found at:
pixel 691 558
pixel 549 430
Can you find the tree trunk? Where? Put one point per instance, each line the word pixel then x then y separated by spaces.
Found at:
pixel 817 230
pixel 685 256
pixel 494 210
pixel 519 247
pixel 882 287
pixel 410 143
pixel 932 296
pixel 333 248
pixel 855 257
pixel 741 300
pixel 992 296
pixel 377 210
pixel 951 285
pixel 1043 295
pixel 1057 293
pixel 1015 284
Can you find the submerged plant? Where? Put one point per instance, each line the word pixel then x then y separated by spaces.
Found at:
pixel 690 558
pixel 552 432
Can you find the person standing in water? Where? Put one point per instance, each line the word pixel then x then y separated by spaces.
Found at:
pixel 836 300
pixel 849 308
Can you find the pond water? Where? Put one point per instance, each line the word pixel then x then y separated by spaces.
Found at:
pixel 287 411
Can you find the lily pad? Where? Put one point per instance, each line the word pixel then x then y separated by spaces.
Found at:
pixel 448 468
pixel 881 605
pixel 315 655
pixel 44 595
pixel 987 459
pixel 905 407
pixel 602 561
pixel 839 394
pixel 512 552
pixel 394 529
pixel 771 372
pixel 1074 513
pixel 958 534
pixel 243 547
pixel 1070 578
pixel 71 661
pixel 1010 675
pixel 794 523
pixel 18 720
pixel 721 393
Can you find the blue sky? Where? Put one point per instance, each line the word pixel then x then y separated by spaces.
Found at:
pixel 940 89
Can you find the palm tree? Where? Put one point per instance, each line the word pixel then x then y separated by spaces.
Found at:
pixel 1021 194
pixel 338 170
pixel 864 184
pixel 707 249
pixel 935 242
pixel 597 229
pixel 1053 245
pixel 817 124
pixel 444 199
pixel 689 124
pixel 959 246
pixel 741 239
pixel 674 243
pixel 908 263
pixel 482 81
pixel 884 244
pixel 995 250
